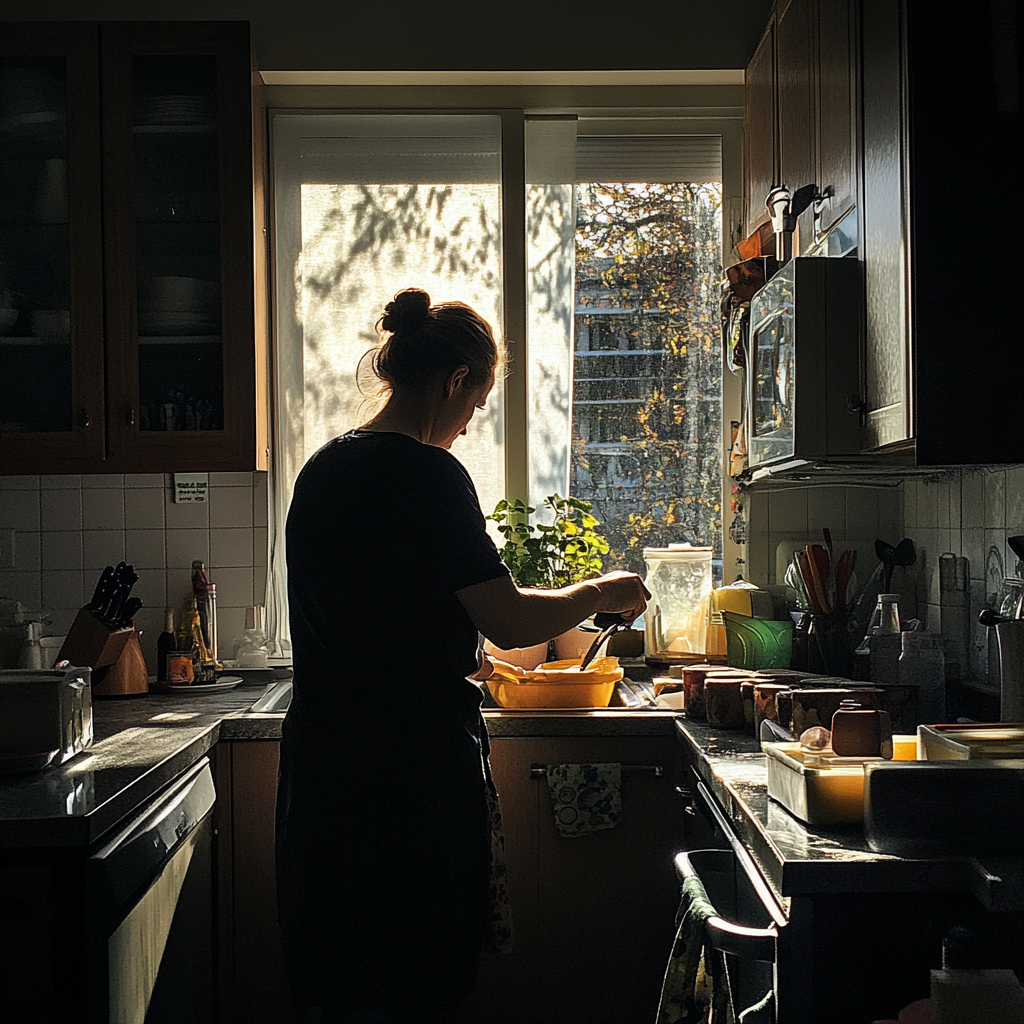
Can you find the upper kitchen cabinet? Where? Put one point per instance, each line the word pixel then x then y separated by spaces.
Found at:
pixel 51 316
pixel 166 365
pixel 761 166
pixel 941 143
pixel 800 112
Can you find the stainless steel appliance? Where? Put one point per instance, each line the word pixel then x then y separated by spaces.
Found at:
pixel 803 387
pixel 150 916
pixel 120 930
pixel 45 716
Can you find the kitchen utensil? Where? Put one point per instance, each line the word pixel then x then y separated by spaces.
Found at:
pixel 608 623
pixel 101 595
pixel 131 607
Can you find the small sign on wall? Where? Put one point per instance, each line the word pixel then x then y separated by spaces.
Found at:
pixel 190 488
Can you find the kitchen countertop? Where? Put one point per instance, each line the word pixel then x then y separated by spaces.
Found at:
pixel 803 860
pixel 142 743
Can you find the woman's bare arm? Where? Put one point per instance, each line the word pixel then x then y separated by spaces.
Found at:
pixel 512 617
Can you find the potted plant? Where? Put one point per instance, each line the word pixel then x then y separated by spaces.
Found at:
pixel 550 555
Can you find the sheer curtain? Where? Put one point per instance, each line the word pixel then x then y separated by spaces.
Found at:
pixel 366 205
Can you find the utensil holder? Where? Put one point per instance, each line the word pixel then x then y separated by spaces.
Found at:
pixel 114 655
pixel 831 638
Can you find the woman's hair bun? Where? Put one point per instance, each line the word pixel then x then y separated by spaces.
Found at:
pixel 409 311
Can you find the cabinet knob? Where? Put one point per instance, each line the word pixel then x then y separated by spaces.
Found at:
pixel 131 417
pixel 85 419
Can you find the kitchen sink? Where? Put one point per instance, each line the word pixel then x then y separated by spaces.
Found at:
pixel 275 699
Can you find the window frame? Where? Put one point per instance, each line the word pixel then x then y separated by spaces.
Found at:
pixel 623 110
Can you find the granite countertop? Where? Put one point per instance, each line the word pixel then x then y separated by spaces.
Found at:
pixel 803 860
pixel 142 743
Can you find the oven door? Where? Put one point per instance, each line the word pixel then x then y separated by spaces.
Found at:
pixel 749 920
pixel 150 898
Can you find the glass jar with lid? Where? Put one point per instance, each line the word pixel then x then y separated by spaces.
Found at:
pixel 679 579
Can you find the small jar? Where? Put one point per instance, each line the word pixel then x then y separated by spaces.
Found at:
pixel 747 697
pixel 861 732
pixel 723 701
pixel 693 690
pixel 765 702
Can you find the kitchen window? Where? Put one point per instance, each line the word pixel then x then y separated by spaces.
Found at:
pixel 601 261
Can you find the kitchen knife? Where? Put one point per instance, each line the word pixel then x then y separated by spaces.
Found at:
pixel 608 623
pixel 101 594
pixel 131 606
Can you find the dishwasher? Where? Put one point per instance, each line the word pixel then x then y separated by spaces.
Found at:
pixel 149 902
pixel 750 928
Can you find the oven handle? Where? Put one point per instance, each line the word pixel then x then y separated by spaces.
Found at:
pixel 729 937
pixel 753 943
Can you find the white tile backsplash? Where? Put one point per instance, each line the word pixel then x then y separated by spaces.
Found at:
pixel 19 509
pixel 62 550
pixel 144 508
pixel 61 509
pixel 231 548
pixel 103 509
pixel 231 507
pixel 183 546
pixel 963 511
pixel 68 527
pixel 145 549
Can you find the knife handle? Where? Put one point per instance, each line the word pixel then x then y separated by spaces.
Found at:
pixel 605 619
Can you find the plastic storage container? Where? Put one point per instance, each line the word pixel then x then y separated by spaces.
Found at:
pixel 555 685
pixel 679 579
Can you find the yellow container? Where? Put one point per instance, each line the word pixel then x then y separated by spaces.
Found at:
pixel 827 791
pixel 555 685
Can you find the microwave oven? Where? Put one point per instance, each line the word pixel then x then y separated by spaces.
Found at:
pixel 803 365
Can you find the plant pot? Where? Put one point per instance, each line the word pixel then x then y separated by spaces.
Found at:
pixel 526 658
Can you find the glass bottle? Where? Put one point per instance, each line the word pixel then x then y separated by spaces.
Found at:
pixel 164 645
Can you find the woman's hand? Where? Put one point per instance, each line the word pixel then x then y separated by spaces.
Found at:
pixel 622 592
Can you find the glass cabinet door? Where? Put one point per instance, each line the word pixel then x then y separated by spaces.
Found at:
pixel 177 243
pixel 51 364
pixel 179 212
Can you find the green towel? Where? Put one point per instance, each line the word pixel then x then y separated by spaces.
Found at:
pixel 694 989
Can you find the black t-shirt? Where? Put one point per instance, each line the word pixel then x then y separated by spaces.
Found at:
pixel 383 531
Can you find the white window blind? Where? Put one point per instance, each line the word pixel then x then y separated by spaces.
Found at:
pixel 365 206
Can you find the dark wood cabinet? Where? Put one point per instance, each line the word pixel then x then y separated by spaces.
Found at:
pixel 593 915
pixel 801 112
pixel 761 168
pixel 127 253
pixel 797 86
pixel 251 985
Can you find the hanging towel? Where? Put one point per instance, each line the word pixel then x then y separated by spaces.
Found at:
pixel 498 935
pixel 585 797
pixel 694 989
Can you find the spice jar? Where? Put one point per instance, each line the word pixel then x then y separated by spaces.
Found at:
pixel 693 690
pixel 724 701
pixel 861 732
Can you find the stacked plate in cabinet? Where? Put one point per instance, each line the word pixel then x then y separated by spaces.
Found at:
pixel 176 110
pixel 179 306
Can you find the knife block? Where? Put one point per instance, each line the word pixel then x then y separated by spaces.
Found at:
pixel 114 655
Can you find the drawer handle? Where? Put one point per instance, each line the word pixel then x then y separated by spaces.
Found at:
pixel 539 771
pixel 85 419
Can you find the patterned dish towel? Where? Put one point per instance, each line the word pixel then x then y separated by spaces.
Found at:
pixel 585 797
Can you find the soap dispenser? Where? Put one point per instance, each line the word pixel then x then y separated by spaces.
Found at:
pixel 32 650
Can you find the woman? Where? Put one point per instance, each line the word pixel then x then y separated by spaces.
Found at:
pixel 383 841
